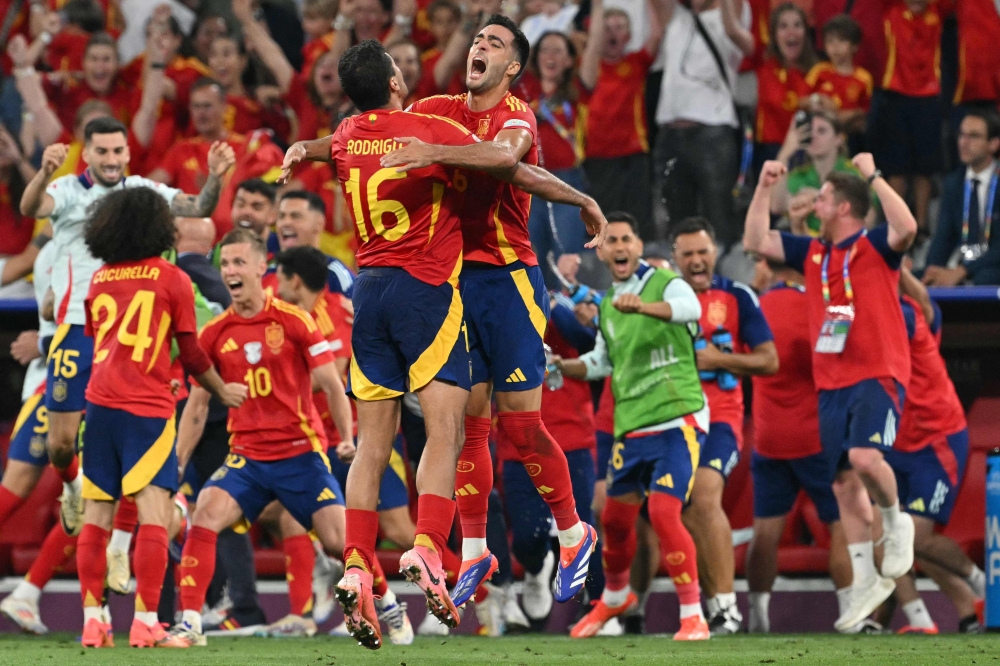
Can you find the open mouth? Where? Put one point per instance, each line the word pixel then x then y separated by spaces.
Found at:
pixel 288 238
pixel 478 67
pixel 621 262
pixel 244 224
pixel 234 284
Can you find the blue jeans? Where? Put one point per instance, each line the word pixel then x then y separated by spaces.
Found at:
pixel 569 235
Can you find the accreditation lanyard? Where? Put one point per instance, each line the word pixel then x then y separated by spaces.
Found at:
pixel 987 213
pixel 837 319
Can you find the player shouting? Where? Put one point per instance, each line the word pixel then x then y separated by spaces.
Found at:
pixel 138 304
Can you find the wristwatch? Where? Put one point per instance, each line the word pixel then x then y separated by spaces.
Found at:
pixel 871 178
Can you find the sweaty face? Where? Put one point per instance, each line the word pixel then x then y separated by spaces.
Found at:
pixel 298 225
pixel 490 58
pixel 241 268
pixel 621 251
pixel 207 108
pixel 694 256
pixel 790 35
pixel 407 60
pixel 252 211
pixel 100 63
pixel 107 156
pixel 225 61
pixel 553 58
pixel 617 34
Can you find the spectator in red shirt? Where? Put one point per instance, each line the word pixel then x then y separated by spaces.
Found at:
pixel 15 173
pixel 978 83
pixel 616 131
pixel 843 86
pixel 904 131
pixel 84 18
pixel 227 58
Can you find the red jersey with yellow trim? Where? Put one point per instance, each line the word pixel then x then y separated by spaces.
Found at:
pixel 561 129
pixel 778 92
pixel 932 409
pixel 134 309
pixel 913 49
pixel 615 115
pixel 495 214
pixel 186 163
pixel 313 49
pixel 978 56
pixel 182 71
pixel 314 121
pixel 273 353
pixel 406 220
pixel 848 91
pixel 327 312
pixel 68 95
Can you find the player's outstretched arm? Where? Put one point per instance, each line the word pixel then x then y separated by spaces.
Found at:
pixel 326 377
pixel 540 183
pixel 503 152
pixel 317 150
pixel 221 158
pixel 192 424
pixel 35 202
pixel 757 234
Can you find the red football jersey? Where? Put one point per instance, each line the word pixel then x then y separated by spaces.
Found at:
pixel 615 114
pixel 978 57
pixel 15 229
pixel 932 409
pixel 68 95
pixel 848 91
pixel 134 309
pixel 422 206
pixel 604 420
pixel 778 92
pixel 495 214
pixel 327 312
pixel 785 405
pixel 272 353
pixel 913 49
pixel 314 121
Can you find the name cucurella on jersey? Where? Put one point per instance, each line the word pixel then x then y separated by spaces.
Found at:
pixel 126 273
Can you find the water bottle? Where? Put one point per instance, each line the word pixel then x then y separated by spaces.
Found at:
pixel 723 339
pixel 704 375
pixel 553 375
pixel 581 293
pixel 992 558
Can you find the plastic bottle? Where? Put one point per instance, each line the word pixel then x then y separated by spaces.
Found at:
pixel 553 375
pixel 723 339
pixel 705 375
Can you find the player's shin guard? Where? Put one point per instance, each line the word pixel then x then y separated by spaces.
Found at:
pixel 435 515
pixel 150 566
pixel 676 545
pixel 618 519
pixel 127 515
pixel 197 567
pixel 56 550
pixel 361 532
pixel 299 561
pixel 545 462
pixel 92 565
pixel 474 478
pixel 9 503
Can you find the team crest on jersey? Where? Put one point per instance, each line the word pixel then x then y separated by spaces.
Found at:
pixel 717 313
pixel 60 391
pixel 274 336
pixel 484 127
pixel 37 446
pixel 253 352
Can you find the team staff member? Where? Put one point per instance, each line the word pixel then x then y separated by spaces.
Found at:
pixel 787 454
pixel 738 342
pixel 661 416
pixel 278 445
pixel 131 399
pixel 860 359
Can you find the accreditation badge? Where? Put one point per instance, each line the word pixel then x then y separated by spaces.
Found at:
pixel 836 325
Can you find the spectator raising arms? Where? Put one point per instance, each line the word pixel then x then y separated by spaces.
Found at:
pixel 15 173
pixel 616 136
pixel 99 81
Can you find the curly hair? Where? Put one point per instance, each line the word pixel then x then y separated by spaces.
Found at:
pixel 129 225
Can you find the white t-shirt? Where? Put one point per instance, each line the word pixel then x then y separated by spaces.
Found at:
pixel 137 13
pixel 74 266
pixel 537 25
pixel 693 88
pixel 42 277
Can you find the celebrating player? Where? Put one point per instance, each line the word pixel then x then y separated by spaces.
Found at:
pixel 65 201
pixel 138 304
pixel 861 362
pixel 278 446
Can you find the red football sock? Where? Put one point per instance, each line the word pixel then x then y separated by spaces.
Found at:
pixel 545 462
pixel 127 515
pixel 435 515
pixel 380 585
pixel 150 566
pixel 69 473
pixel 361 534
pixel 299 561
pixel 92 564
pixel 9 503
pixel 197 567
pixel 452 563
pixel 618 519
pixel 474 477
pixel 676 545
pixel 56 550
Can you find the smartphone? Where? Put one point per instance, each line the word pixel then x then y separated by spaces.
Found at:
pixel 803 125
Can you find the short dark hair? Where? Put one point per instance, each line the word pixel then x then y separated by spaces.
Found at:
pixel 207 82
pixel 988 116
pixel 844 27
pixel 104 125
pixel 258 186
pixel 691 225
pixel 113 235
pixel 85 14
pixel 853 189
pixel 102 39
pixel 315 202
pixel 238 236
pixel 622 216
pixel 306 262
pixel 522 47
pixel 365 70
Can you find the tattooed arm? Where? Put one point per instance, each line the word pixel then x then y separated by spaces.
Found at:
pixel 220 159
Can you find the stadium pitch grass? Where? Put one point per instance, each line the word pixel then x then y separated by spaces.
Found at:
pixel 523 650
